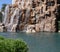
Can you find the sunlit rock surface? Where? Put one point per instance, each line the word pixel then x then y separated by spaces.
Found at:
pixel 2 28
pixel 31 15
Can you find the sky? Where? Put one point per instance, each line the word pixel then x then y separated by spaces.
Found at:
pixel 5 2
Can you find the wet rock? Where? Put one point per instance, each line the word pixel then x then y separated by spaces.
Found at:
pixel 59 31
pixel 30 29
pixel 21 26
pixel 37 27
pixel 47 27
pixel 2 28
pixel 31 16
pixel 13 29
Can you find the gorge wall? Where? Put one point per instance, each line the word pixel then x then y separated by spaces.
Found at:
pixel 31 16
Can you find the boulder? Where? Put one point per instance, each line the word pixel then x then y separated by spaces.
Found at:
pixel 2 28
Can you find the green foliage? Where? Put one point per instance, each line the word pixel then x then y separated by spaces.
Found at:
pixel 0 17
pixel 2 38
pixel 10 45
pixel 3 7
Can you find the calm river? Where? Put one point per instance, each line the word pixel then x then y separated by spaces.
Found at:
pixel 38 42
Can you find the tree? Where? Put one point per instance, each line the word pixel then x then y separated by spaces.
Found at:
pixel 3 7
pixel 2 10
pixel 1 17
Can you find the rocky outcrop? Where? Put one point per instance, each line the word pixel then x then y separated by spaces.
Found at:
pixel 23 15
pixel 2 28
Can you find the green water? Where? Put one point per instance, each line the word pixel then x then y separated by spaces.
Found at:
pixel 38 42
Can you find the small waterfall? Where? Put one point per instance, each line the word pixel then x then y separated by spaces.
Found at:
pixel 29 12
pixel 27 15
pixel 14 20
pixel 20 16
pixel 6 14
pixel 12 17
pixel 22 4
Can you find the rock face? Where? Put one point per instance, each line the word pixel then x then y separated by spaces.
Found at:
pixel 2 28
pixel 37 13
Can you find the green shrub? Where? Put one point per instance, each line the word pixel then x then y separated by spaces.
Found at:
pixel 10 45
